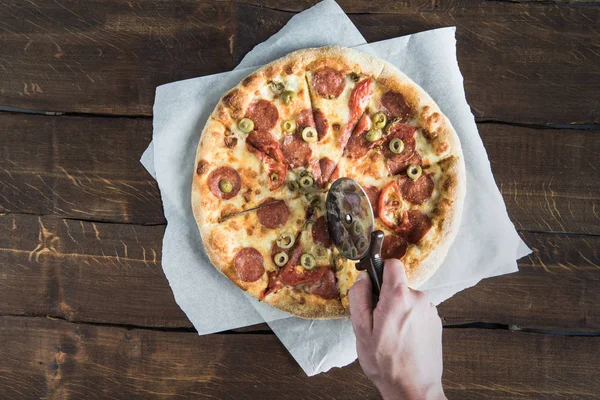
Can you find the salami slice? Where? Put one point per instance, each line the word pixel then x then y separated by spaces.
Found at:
pixel 224 173
pixel 294 275
pixel 421 224
pixel 359 97
pixel 264 142
pixel 394 246
pixel 248 264
pixel 325 287
pixel 321 123
pixel 326 167
pixel 305 119
pixel 394 105
pixel 405 133
pixel 373 195
pixel 397 167
pixel 273 286
pixel 264 114
pixel 358 145
pixel 320 233
pixel 335 174
pixel 328 82
pixel 273 215
pixel 296 152
pixel 416 191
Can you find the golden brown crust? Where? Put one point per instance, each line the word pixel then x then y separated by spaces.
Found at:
pixel 222 144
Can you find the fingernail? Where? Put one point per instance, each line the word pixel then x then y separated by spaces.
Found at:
pixel 361 276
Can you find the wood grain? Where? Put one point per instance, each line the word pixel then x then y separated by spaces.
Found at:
pixel 549 178
pixel 56 359
pixel 522 62
pixel 111 273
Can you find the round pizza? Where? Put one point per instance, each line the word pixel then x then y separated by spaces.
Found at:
pixel 275 143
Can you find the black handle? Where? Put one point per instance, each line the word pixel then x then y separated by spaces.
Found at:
pixel 373 263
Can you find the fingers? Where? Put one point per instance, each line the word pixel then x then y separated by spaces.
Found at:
pixel 393 275
pixel 361 304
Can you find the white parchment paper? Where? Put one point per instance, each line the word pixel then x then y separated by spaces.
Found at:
pixel 487 244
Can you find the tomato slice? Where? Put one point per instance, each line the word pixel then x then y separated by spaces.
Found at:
pixel 390 209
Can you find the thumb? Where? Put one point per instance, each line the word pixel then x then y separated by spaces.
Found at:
pixel 361 304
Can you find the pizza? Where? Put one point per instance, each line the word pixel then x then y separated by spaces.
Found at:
pixel 275 143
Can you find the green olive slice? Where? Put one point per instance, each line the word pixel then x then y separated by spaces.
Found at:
pixel 307 261
pixel 354 76
pixel 396 145
pixel 289 126
pixel 276 87
pixel 286 240
pixel 362 244
pixel 274 177
pixel 379 120
pixel 225 186
pixel 306 181
pixel 414 172
pixel 288 97
pixel 357 228
pixel 353 252
pixel 319 251
pixel 309 134
pixel 315 201
pixel 280 259
pixel 293 186
pixel 374 135
pixel 246 125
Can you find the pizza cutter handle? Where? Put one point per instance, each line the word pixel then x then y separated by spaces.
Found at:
pixel 373 263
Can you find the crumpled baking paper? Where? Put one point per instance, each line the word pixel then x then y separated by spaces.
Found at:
pixel 487 244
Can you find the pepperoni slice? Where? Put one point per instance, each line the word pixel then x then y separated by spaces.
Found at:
pixel 359 97
pixel 264 142
pixel 321 123
pixel 273 286
pixel 416 191
pixel 294 275
pixel 421 224
pixel 294 253
pixel 277 168
pixel 394 246
pixel 296 152
pixel 326 166
pixel 328 82
pixel 273 215
pixel 389 210
pixel 305 118
pixel 394 105
pixel 248 264
pixel 335 175
pixel 407 134
pixel 320 233
pixel 397 167
pixel 264 114
pixel 325 287
pixel 358 145
pixel 373 195
pixel 221 173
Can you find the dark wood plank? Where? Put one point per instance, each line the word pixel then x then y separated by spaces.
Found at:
pixel 528 63
pixel 549 178
pixel 110 273
pixel 86 168
pixel 59 359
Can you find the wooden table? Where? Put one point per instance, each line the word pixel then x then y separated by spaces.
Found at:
pixel 85 310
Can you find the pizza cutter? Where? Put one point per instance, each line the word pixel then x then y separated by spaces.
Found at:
pixel 351 223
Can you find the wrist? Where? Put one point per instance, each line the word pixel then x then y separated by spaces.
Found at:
pixel 431 392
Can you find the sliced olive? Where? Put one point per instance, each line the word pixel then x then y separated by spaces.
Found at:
pixel 276 87
pixel 354 76
pixel 274 177
pixel 288 97
pixel 280 259
pixel 305 172
pixel 306 181
pixel 225 186
pixel 357 228
pixel 246 125
pixel 309 134
pixel 414 172
pixel 286 240
pixel 353 252
pixel 374 135
pixel 379 120
pixel 289 126
pixel 396 146
pixel 308 261
pixel 315 201
pixel 293 185
pixel 362 244
pixel 320 252
pixel 346 247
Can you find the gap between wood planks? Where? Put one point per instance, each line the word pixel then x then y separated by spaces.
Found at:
pixel 13 110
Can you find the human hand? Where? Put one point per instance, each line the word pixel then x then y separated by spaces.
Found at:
pixel 399 344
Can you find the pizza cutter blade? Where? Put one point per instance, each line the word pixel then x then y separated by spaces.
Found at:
pixel 351 223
